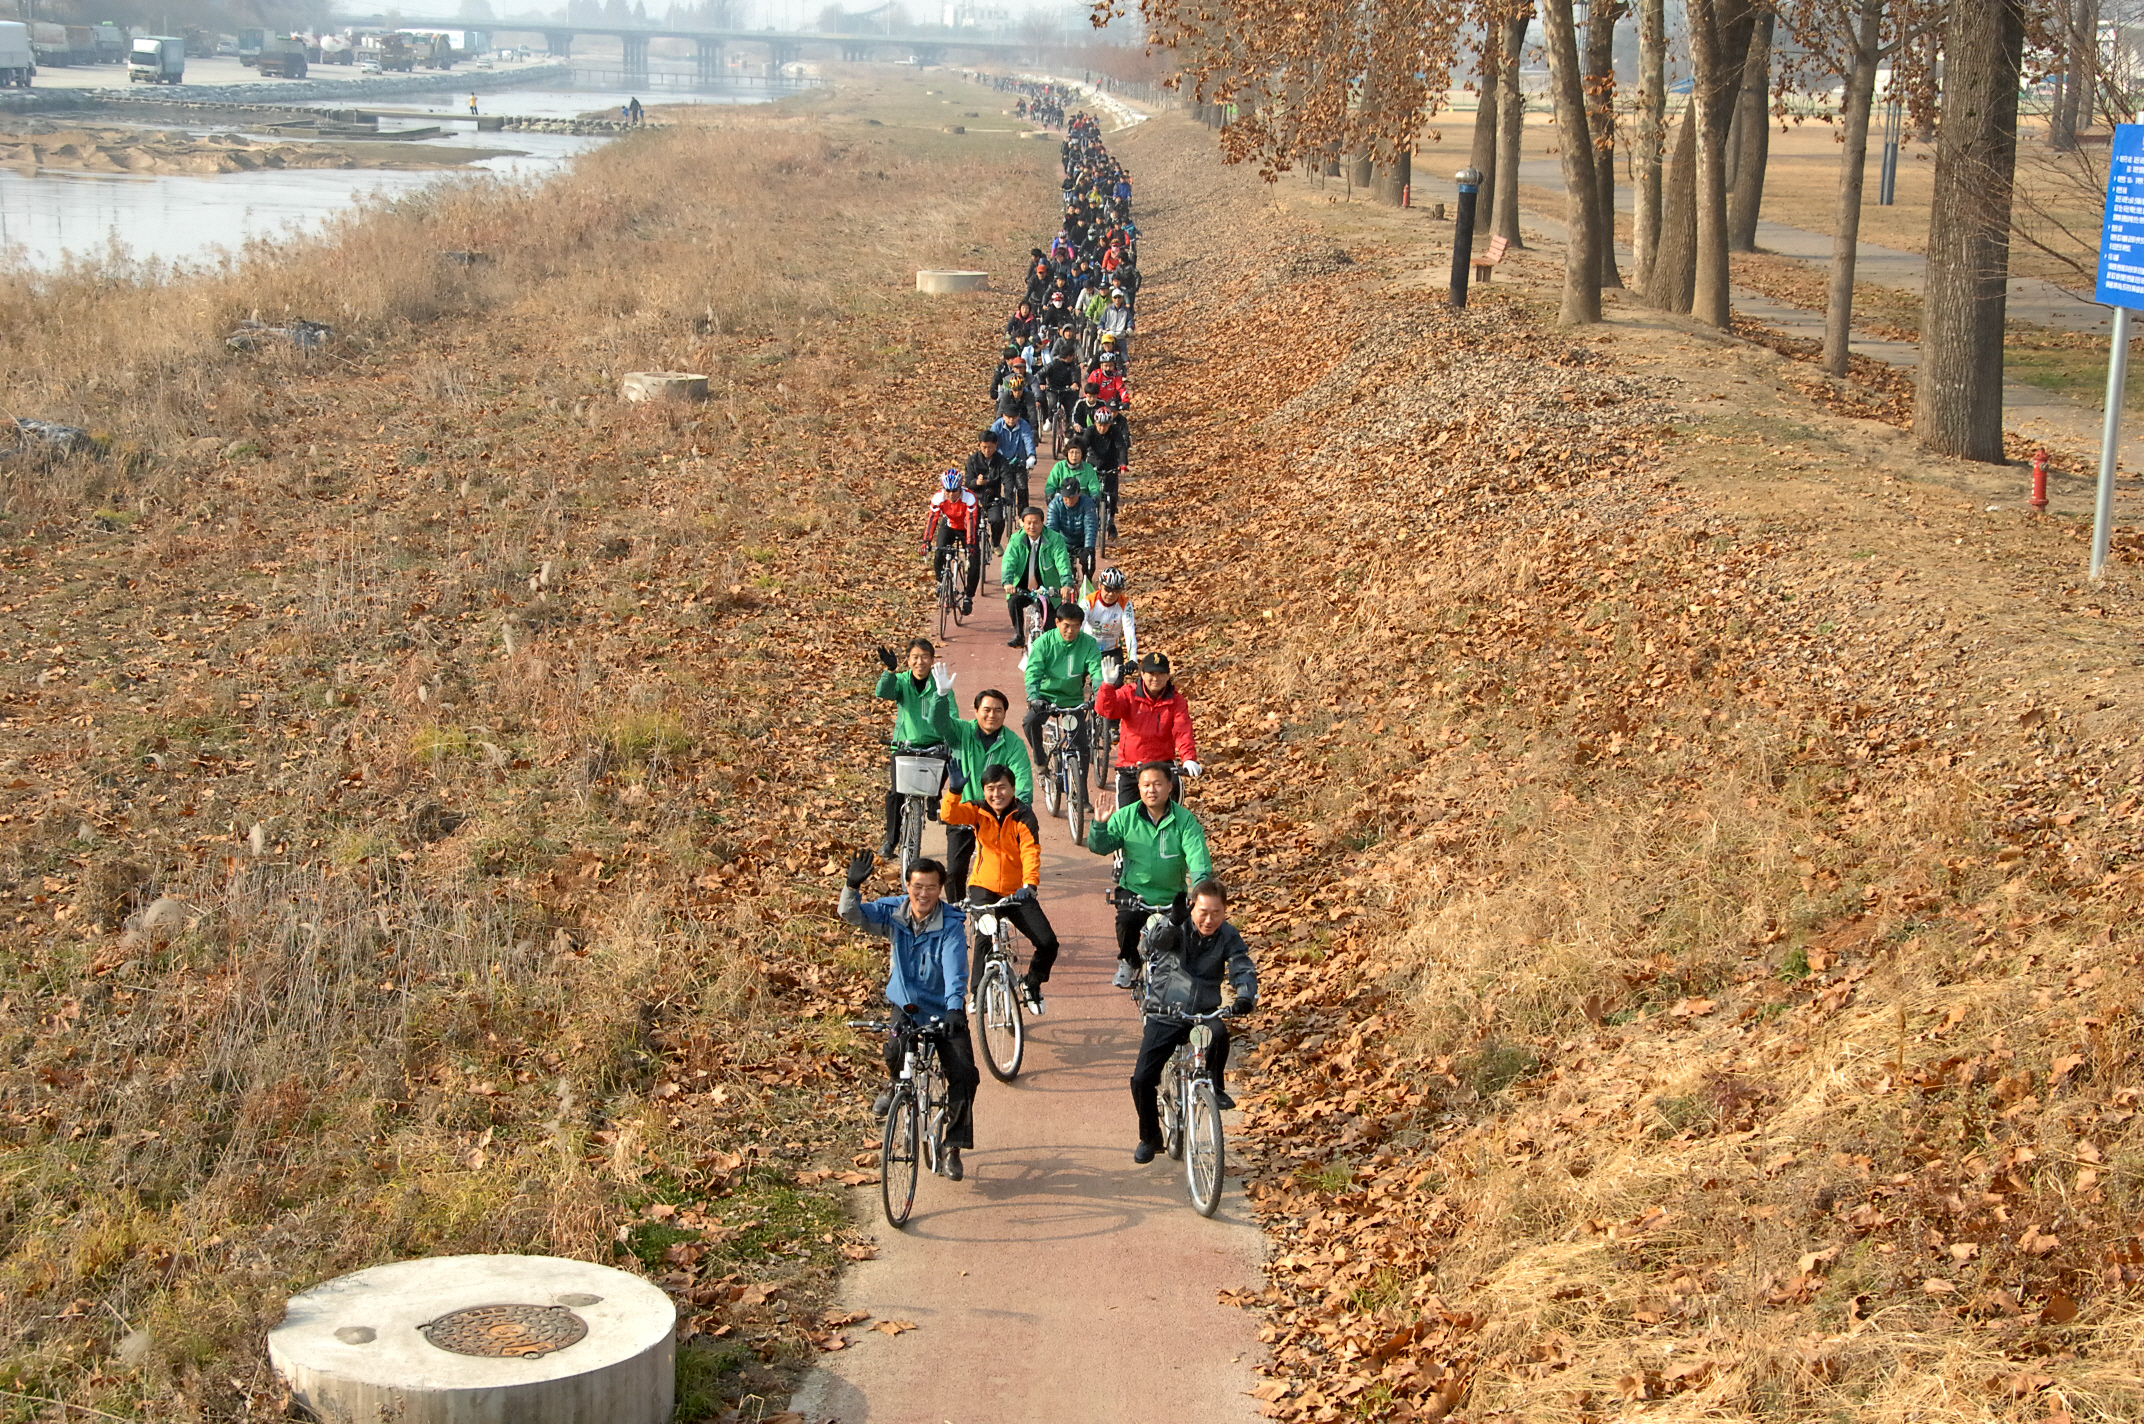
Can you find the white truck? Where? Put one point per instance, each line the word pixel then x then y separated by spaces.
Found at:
pixel 17 63
pixel 156 59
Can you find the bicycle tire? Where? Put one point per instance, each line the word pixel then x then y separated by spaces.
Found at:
pixel 945 599
pixel 1105 749
pixel 1170 1099
pixel 1004 1034
pixel 898 1157
pixel 1076 802
pixel 911 834
pixel 1053 791
pixel 1206 1149
pixel 935 1110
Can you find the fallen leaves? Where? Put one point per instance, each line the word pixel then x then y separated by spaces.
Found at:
pixel 894 1327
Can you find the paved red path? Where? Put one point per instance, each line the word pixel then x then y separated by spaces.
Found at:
pixel 1058 1282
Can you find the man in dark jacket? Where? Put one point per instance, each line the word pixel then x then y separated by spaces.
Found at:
pixel 1187 968
pixel 985 476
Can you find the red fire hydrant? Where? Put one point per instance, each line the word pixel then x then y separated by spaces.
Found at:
pixel 2039 480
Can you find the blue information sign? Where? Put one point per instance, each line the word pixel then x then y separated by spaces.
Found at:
pixel 2121 245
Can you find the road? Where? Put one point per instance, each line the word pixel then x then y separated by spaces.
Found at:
pixel 1058 1282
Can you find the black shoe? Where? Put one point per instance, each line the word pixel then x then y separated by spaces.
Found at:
pixel 967 606
pixel 888 846
pixel 1222 1100
pixel 1144 1153
pixel 953 1170
pixel 882 1104
pixel 1014 643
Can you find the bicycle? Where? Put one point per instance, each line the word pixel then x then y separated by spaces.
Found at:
pixel 1191 1115
pixel 919 774
pixel 950 585
pixel 915 1119
pixel 997 990
pixel 1064 782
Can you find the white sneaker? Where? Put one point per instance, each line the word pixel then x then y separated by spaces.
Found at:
pixel 1031 997
pixel 1124 975
pixel 969 1005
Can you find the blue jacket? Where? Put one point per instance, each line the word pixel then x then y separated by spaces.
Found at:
pixel 1078 520
pixel 1016 442
pixel 930 964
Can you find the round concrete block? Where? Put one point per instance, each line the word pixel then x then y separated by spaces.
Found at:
pixel 942 282
pixel 663 385
pixel 481 1340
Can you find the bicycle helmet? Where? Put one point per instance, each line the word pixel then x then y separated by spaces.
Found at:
pixel 951 480
pixel 1113 580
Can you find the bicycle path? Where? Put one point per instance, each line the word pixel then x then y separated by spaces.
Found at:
pixel 1058 1282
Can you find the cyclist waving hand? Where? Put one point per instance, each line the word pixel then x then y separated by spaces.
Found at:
pixel 923 695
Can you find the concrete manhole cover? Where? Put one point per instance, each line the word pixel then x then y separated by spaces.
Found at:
pixel 523 1332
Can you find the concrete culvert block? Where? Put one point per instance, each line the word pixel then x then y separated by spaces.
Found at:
pixel 663 385
pixel 481 1340
pixel 939 283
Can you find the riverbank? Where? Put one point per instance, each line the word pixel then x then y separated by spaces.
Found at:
pixel 425 768
pixel 294 91
pixel 31 148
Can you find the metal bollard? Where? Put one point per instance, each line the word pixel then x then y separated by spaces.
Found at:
pixel 1463 233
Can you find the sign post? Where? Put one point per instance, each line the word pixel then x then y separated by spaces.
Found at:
pixel 2121 286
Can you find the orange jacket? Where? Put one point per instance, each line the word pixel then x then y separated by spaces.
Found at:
pixel 1008 851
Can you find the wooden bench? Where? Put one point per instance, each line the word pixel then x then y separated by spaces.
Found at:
pixel 1487 263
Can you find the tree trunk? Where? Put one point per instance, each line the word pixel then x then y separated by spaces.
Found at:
pixel 1483 157
pixel 1510 134
pixel 1753 144
pixel 1600 114
pixel 1719 41
pixel 1361 173
pixel 1669 286
pixel 1394 176
pixel 1581 175
pixel 1958 405
pixel 1652 133
pixel 2085 78
pixel 1853 166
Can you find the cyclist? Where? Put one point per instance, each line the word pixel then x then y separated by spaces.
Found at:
pixel 1059 666
pixel 928 970
pixel 1010 354
pixel 1020 326
pixel 1108 380
pixel 977 746
pixel 1154 719
pixel 1164 851
pixel 1109 619
pixel 923 694
pixel 1060 376
pixel 1003 829
pixel 1190 965
pixel 1016 399
pixel 1075 515
pixel 985 475
pixel 1073 469
pixel 956 521
pixel 1109 444
pixel 1016 442
pixel 1037 567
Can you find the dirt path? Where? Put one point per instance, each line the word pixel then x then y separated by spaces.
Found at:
pixel 1059 1281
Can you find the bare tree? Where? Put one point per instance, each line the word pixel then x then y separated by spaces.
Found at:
pixel 1958 405
pixel 1752 143
pixel 1600 114
pixel 1511 129
pixel 1652 133
pixel 1581 174
pixel 1482 158
pixel 1853 170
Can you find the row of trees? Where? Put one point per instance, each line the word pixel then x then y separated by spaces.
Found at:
pixel 1354 82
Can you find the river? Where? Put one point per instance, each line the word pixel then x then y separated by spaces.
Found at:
pixel 54 217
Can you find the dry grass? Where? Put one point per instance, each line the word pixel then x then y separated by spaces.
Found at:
pixel 456 702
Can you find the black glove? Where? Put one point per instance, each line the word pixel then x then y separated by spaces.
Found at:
pixel 860 869
pixel 887 659
pixel 1243 1005
pixel 955 1021
pixel 1025 894
pixel 955 777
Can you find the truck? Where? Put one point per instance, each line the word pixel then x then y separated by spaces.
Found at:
pixel 18 64
pixel 82 43
pixel 281 57
pixel 50 43
pixel 111 44
pixel 335 49
pixel 249 46
pixel 157 59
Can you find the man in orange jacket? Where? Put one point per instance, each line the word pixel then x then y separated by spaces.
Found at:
pixel 1008 863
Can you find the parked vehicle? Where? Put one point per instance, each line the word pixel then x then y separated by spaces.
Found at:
pixel 334 49
pixel 111 44
pixel 50 44
pixel 18 63
pixel 157 59
pixel 249 46
pixel 281 57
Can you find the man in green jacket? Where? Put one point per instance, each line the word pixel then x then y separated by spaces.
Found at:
pixel 1074 467
pixel 924 694
pixel 980 744
pixel 1037 567
pixel 1060 666
pixel 1164 853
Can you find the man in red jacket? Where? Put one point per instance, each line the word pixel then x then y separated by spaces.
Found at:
pixel 1154 722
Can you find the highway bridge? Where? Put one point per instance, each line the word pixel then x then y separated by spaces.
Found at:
pixel 782 47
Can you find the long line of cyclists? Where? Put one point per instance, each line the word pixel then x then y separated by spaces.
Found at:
pixel 1062 379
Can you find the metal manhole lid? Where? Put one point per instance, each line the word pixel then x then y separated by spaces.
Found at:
pixel 524 1332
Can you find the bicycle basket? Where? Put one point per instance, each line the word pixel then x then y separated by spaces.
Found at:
pixel 918 776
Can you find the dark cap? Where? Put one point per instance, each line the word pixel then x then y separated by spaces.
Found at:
pixel 1154 662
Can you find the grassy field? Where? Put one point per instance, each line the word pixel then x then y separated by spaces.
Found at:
pixel 423 768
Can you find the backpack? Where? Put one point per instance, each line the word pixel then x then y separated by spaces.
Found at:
pixel 1171 989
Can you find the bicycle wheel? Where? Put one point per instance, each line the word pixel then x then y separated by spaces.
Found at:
pixel 911 834
pixel 1076 800
pixel 1105 748
pixel 1053 791
pixel 945 599
pixel 1206 1154
pixel 1170 1099
pixel 1004 1035
pixel 898 1156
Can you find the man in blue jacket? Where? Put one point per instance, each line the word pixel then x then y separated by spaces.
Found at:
pixel 929 973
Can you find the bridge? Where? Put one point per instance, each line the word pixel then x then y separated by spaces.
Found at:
pixel 783 47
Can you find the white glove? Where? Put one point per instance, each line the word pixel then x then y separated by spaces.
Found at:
pixel 1191 768
pixel 943 676
pixel 1031 462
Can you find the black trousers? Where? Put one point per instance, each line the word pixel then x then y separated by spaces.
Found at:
pixel 1037 714
pixel 945 542
pixel 1016 602
pixel 956 1058
pixel 1161 1040
pixel 1028 916
pixel 959 858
